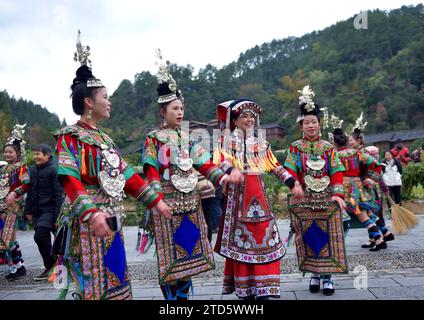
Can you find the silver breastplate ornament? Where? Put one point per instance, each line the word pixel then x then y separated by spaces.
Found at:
pixel 112 182
pixel 315 166
pixel 4 190
pixel 183 178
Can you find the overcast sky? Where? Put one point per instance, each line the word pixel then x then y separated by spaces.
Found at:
pixel 37 37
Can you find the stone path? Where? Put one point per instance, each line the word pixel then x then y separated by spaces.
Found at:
pixel 394 273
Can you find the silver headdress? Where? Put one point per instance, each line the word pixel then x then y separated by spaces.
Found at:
pixel 17 137
pixel 307 96
pixel 359 124
pixel 306 103
pixel 336 122
pixel 326 118
pixel 82 53
pixel 167 86
pixel 81 56
pixel 164 74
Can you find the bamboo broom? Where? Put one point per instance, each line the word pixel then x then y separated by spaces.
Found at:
pixel 403 220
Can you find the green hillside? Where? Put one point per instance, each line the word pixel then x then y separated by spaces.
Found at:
pixel 379 70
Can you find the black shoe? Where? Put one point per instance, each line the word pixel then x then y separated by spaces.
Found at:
pixel 251 297
pixel 390 237
pixel 21 271
pixel 328 291
pixel 368 245
pixel 42 276
pixel 378 247
pixel 314 288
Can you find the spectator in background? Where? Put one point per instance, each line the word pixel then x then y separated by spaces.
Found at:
pixel 418 154
pixel 401 153
pixel 43 203
pixel 217 205
pixel 211 206
pixel 392 176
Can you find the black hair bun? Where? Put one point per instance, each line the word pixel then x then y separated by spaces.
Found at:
pixel 338 132
pixel 357 131
pixel 163 89
pixel 83 74
pixel 315 112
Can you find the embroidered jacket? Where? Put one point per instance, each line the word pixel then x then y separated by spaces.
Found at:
pixel 351 160
pixel 303 152
pixel 160 153
pixel 79 163
pixel 18 178
pixel 248 232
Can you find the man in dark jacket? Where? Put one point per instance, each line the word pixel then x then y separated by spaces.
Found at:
pixel 43 203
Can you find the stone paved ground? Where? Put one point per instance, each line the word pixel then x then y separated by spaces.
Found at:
pixel 394 273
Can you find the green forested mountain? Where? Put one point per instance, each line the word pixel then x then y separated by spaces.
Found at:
pixel 40 122
pixel 379 70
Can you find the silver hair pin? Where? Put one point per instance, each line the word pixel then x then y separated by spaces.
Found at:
pixel 82 53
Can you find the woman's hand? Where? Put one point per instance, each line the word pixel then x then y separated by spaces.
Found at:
pixel 163 209
pixel 236 176
pixel 98 225
pixel 11 199
pixel 340 202
pixel 297 190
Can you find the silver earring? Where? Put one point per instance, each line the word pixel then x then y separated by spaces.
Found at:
pixel 90 114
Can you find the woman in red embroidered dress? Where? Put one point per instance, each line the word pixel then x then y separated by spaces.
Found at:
pixel 360 168
pixel 248 235
pixel 375 190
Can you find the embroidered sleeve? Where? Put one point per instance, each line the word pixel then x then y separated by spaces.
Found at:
pixel 138 188
pixel 154 178
pixel 151 165
pixel 67 157
pixel 24 181
pixel 212 173
pixel 280 172
pixel 68 170
pixel 82 204
pixel 141 190
pixel 292 163
pixel 336 173
pixel 374 168
pixel 335 163
pixel 202 162
pixel 150 154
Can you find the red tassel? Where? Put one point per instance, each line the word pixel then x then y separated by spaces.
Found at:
pixel 144 240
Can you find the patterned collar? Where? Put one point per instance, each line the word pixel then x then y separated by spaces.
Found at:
pixel 85 125
pixel 309 140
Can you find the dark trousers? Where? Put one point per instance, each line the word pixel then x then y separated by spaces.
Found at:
pixel 395 193
pixel 212 211
pixel 43 240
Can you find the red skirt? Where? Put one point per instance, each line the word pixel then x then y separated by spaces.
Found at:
pixel 247 280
